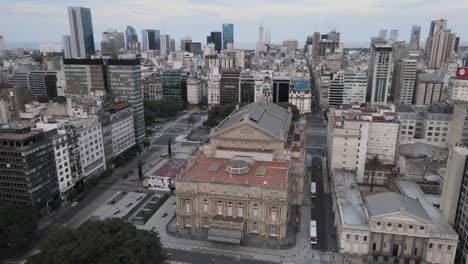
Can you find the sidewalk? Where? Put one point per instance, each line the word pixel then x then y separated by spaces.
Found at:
pixel 301 253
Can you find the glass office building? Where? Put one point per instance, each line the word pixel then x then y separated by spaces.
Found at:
pixel 228 34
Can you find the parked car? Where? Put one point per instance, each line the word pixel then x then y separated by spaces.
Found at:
pixel 164 215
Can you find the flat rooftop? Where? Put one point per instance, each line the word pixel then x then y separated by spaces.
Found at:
pixel 349 198
pixel 260 173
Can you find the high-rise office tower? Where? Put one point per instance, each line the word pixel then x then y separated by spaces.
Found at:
pixel 194 47
pixel 394 34
pixel 174 86
pixel 228 34
pixel 183 43
pixel 119 77
pixel 81 29
pixel 229 87
pixel 112 43
pixel 29 175
pixel 260 43
pixel 415 37
pixel 165 44
pixel 326 43
pixel 131 37
pixel 67 51
pixel 436 26
pixel 442 48
pixel 404 78
pixel 380 62
pixel 429 89
pixel 126 85
pixel 150 39
pixel 383 34
pixel 355 88
pixel 2 43
pixel 216 38
pixel 171 44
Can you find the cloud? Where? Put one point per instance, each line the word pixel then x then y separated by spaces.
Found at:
pixel 357 19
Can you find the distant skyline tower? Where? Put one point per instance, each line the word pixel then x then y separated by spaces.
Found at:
pixel 260 43
pixel 228 34
pixel 394 34
pixel 81 29
pixel 165 44
pixel 183 43
pixel 217 39
pixel 267 37
pixel 415 37
pixel 130 36
pixel 379 71
pixel 2 43
pixel 383 34
pixel 150 39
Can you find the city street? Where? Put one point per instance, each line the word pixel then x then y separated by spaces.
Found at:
pixel 321 206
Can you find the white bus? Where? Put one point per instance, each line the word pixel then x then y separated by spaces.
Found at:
pixel 313 232
pixel 313 190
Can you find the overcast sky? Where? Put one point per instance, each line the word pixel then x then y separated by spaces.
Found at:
pixel 44 21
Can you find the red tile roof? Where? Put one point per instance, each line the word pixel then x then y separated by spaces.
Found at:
pixel 276 172
pixel 120 105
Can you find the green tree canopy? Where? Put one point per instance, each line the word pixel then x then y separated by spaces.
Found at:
pixel 160 109
pixel 218 113
pixel 18 225
pixel 294 110
pixel 104 242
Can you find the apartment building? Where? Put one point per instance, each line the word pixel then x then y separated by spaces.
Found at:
pixel 356 135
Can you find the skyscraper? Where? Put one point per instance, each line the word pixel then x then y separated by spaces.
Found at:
pixel 394 34
pixel 415 37
pixel 171 44
pixel 442 48
pixel 380 62
pixel 130 37
pixel 383 34
pixel 228 34
pixel 404 78
pixel 2 43
pixel 260 43
pixel 216 38
pixel 436 25
pixel 150 39
pixel 183 43
pixel 112 43
pixel 165 45
pixel 81 29
pixel 126 85
pixel 67 51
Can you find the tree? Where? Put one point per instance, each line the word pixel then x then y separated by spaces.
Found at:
pixel 190 121
pixel 108 241
pixel 160 109
pixel 18 226
pixel 294 110
pixel 218 113
pixel 374 164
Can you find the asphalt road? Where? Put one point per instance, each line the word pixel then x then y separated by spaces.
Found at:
pixel 208 258
pixel 321 206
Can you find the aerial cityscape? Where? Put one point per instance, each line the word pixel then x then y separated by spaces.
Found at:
pixel 139 145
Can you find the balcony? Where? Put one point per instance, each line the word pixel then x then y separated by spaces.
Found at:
pixel 227 222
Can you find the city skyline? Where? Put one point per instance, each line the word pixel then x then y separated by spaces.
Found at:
pixel 303 18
